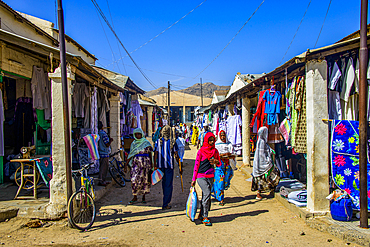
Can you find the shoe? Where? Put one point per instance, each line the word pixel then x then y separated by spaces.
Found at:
pixel 167 207
pixel 259 198
pixel 206 222
pixel 200 217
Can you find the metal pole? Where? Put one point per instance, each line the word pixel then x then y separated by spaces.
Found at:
pixel 169 104
pixel 63 66
pixel 201 90
pixel 363 115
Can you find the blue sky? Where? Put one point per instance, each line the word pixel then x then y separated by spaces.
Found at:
pixel 189 46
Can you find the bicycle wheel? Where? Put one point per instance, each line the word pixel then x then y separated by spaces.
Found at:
pixel 117 176
pixel 119 167
pixel 81 210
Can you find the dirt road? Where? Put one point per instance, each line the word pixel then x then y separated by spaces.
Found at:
pixel 243 221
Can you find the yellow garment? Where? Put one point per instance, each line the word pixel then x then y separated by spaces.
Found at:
pixel 194 137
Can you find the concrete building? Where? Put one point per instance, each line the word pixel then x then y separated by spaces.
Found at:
pixel 182 105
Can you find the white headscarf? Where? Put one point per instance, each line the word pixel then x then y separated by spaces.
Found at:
pixel 262 157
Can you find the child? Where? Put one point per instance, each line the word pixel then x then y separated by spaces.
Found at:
pixel 207 158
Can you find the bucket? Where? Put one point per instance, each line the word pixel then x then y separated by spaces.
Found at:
pixel 341 210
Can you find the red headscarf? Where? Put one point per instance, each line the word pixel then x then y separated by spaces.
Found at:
pixel 208 150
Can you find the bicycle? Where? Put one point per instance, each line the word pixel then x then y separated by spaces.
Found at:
pixel 116 170
pixel 81 207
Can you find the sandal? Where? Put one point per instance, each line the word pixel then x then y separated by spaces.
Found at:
pixel 167 207
pixel 206 222
pixel 222 204
pixel 132 202
pixel 143 201
pixel 200 217
pixel 259 198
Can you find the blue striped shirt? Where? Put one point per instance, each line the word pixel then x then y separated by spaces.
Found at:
pixel 165 156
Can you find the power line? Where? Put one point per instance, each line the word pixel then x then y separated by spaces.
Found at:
pixel 107 40
pixel 229 41
pixel 119 50
pixel 163 30
pixel 110 27
pixel 327 11
pixel 296 32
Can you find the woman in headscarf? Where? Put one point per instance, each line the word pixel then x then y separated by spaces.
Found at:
pixel 223 172
pixel 194 137
pixel 140 162
pixel 265 174
pixel 207 158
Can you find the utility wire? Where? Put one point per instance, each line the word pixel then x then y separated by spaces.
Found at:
pixel 111 28
pixel 119 50
pixel 295 32
pixel 107 40
pixel 164 73
pixel 163 30
pixel 229 41
pixel 327 11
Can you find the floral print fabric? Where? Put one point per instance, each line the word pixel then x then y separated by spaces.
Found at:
pixel 140 180
pixel 345 158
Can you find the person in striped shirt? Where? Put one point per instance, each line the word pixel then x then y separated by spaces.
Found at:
pixel 165 151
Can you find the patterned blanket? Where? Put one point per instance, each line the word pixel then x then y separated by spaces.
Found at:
pixel 345 159
pixel 45 167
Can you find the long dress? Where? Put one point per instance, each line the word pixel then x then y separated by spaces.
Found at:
pixel 223 173
pixel 194 137
pixel 141 165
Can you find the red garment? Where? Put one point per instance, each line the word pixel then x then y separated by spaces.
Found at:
pixel 208 150
pixel 260 113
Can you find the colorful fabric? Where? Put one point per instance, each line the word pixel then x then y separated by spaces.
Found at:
pixel 91 141
pixel 345 159
pixel 45 167
pixel 199 167
pixel 191 204
pixel 229 174
pixel 194 136
pixel 157 176
pixel 138 144
pixel 219 183
pixel 285 130
pixel 140 168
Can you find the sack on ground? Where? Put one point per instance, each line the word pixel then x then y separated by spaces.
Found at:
pixel 191 204
pixel 157 175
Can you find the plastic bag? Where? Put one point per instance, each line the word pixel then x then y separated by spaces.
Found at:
pixel 191 204
pixel 157 175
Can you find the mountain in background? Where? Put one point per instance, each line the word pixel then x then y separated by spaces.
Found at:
pixel 208 89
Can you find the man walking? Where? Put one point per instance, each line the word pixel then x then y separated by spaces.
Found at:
pixel 104 151
pixel 165 151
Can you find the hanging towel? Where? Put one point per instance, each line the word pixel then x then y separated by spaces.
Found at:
pixel 285 130
pixel 92 144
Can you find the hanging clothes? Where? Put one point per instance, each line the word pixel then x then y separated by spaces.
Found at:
pixel 300 145
pixel 260 116
pixel 80 93
pixel 41 91
pixel 137 111
pixel 233 132
pixel 272 106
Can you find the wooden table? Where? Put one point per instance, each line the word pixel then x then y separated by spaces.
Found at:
pixel 32 164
